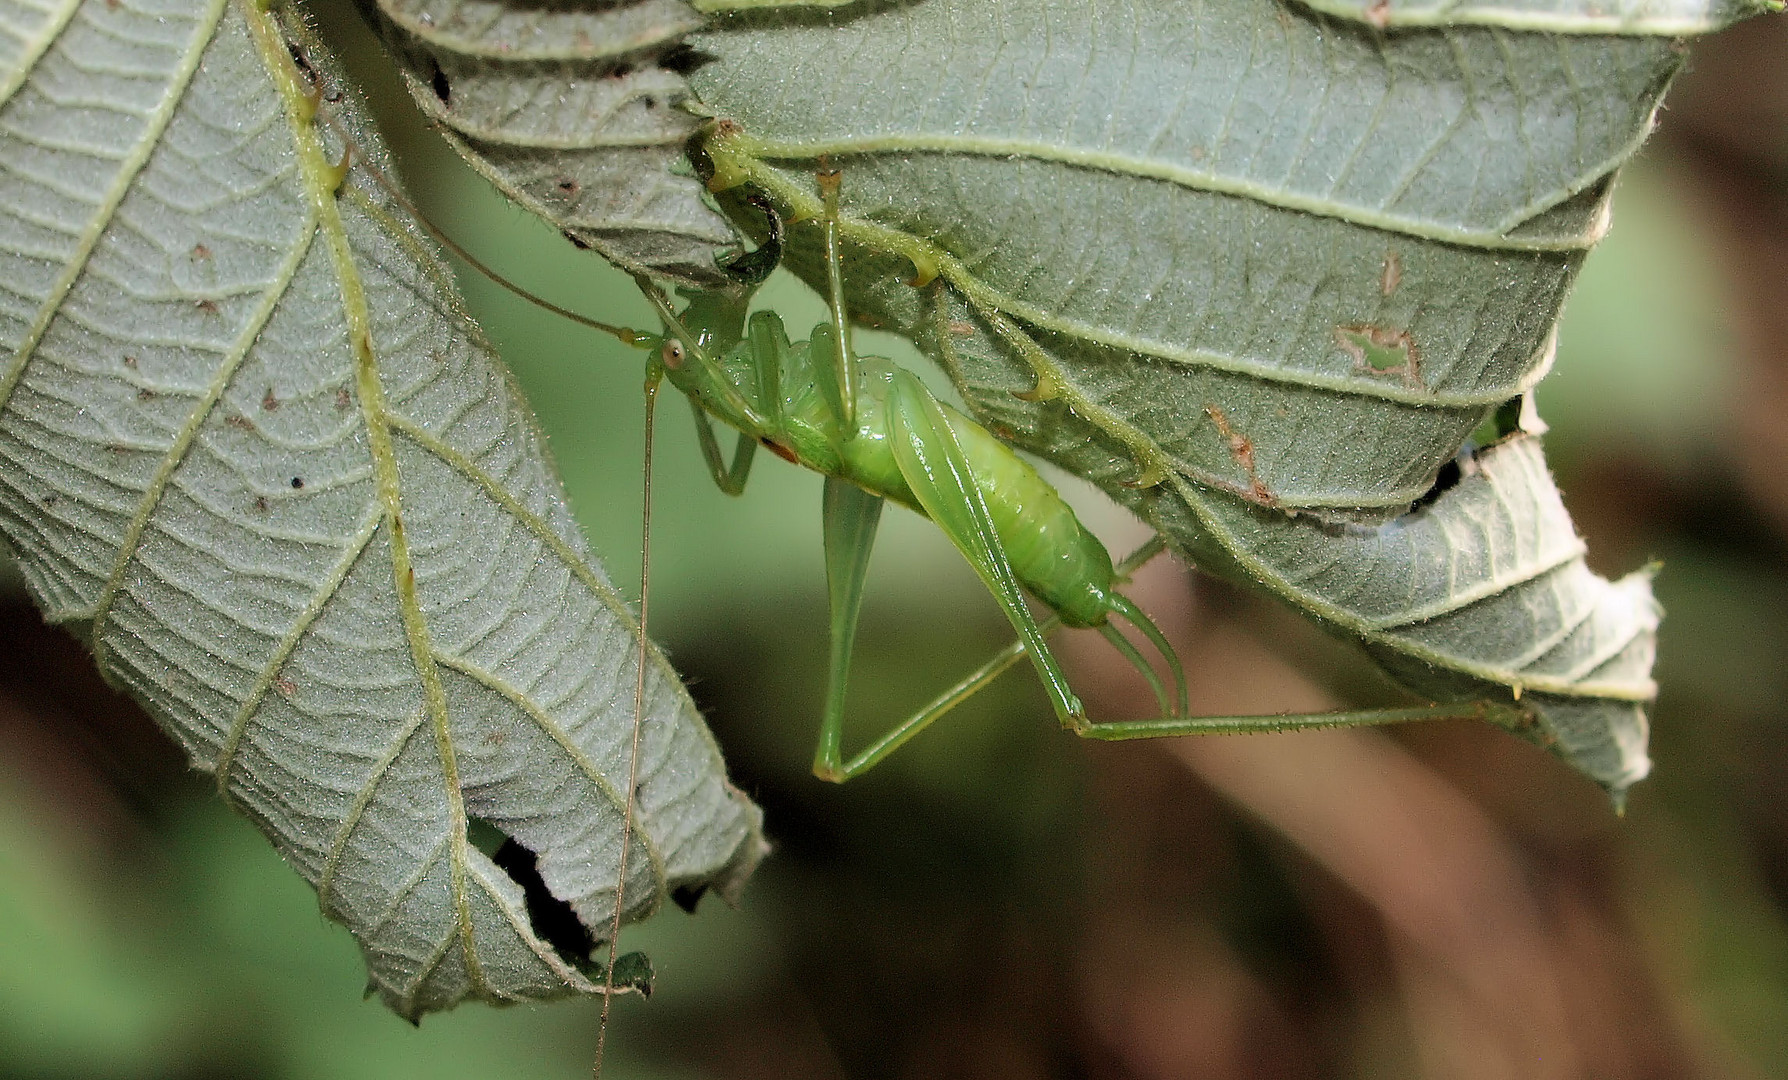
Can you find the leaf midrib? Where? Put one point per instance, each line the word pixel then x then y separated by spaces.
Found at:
pixel 1212 182
pixel 321 182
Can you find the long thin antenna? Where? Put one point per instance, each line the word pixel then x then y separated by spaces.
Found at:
pixel 654 374
pixel 625 335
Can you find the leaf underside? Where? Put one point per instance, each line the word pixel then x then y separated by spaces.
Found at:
pixel 256 454
pixel 1282 263
pixel 575 111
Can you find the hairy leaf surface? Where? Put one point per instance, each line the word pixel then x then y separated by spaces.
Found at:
pixel 574 111
pixel 257 455
pixel 1671 18
pixel 1256 271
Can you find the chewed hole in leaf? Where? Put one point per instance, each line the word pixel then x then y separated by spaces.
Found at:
pixel 1499 425
pixel 683 59
pixel 1445 480
pixel 551 918
pixel 437 81
pixel 1379 350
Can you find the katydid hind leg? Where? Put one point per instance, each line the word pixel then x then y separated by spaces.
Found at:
pixel 851 517
pixel 841 331
pixel 933 464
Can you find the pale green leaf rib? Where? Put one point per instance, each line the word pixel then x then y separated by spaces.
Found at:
pixel 129 163
pixel 251 444
pixel 1499 235
pixel 356 810
pixel 176 453
pixel 33 41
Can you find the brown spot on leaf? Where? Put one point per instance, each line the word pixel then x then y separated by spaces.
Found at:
pixel 344 399
pixel 130 361
pixel 297 483
pixel 1378 13
pixel 146 394
pixel 960 328
pixel 269 402
pixel 286 687
pixel 209 307
pixel 1392 274
pixel 261 503
pixel 237 420
pixel 200 251
pixel 1241 448
pixel 568 186
pixel 1380 350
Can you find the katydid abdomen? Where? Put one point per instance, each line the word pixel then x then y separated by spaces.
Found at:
pixel 795 410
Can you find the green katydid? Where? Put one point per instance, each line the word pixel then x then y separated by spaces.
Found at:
pixel 876 433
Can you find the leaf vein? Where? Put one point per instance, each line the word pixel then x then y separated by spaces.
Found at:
pixel 270 671
pixel 121 184
pixel 176 453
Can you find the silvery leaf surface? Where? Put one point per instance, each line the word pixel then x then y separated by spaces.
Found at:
pixel 254 452
pixel 1257 271
pixel 575 111
pixel 1667 18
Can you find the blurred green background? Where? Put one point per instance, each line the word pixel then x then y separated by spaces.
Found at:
pixel 1001 900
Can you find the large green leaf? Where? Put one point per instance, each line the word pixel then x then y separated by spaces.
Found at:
pixel 1268 270
pixel 254 452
